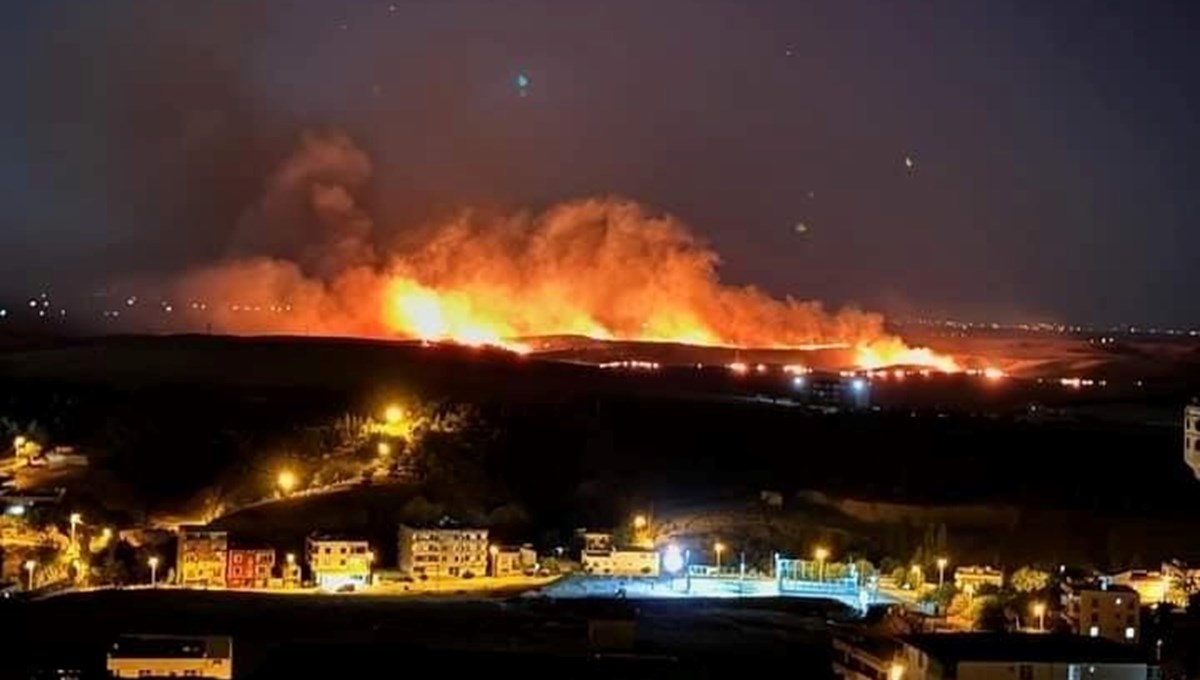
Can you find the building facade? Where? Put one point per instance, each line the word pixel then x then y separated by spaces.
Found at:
pixel 971 579
pixel 162 656
pixel 621 562
pixel 337 563
pixel 511 560
pixel 866 657
pixel 443 552
pixel 202 556
pixel 1191 438
pixel 1103 610
pixel 1016 656
pixel 250 568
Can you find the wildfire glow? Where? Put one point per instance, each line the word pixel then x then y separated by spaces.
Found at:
pixel 602 268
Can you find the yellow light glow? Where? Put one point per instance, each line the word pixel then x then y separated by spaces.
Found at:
pixel 153 562
pixel 106 533
pixel 821 554
pixel 393 414
pixel 942 562
pixel 30 565
pixel 384 449
pixel 1039 609
pixel 896 671
pixel 291 558
pixel 76 518
pixel 719 547
pixel 286 480
pixel 493 550
pixel 19 442
pixel 639 522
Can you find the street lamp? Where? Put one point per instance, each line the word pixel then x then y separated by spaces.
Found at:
pixel 153 562
pixel 393 414
pixel 639 522
pixel 106 534
pixel 896 671
pixel 941 565
pixel 76 519
pixel 384 449
pixel 1039 610
pixel 30 565
pixel 286 480
pixel 291 559
pixel 493 551
pixel 821 554
pixel 718 548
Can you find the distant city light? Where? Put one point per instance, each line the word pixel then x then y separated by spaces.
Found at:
pixel 17 510
pixel 798 382
pixel 393 414
pixel 858 384
pixel 286 480
pixel 672 559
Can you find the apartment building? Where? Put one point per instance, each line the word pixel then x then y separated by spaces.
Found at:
pixel 202 557
pixel 443 551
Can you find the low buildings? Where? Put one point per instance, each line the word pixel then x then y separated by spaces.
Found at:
pixel 338 563
pixel 443 551
pixel 201 557
pixel 512 560
pixel 971 579
pixel 596 541
pixel 161 656
pixel 866 657
pixel 1152 587
pixel 1191 437
pixel 250 568
pixel 1103 610
pixel 1015 656
pixel 620 562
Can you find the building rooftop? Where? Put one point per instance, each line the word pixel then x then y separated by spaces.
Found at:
pixel 1027 647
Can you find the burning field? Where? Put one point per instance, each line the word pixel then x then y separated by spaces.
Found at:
pixel 594 269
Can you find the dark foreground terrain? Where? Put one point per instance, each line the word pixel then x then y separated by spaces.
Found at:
pixel 362 636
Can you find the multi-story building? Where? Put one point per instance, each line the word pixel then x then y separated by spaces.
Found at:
pixel 339 564
pixel 161 656
pixel 620 562
pixel 866 657
pixel 250 568
pixel 202 556
pixel 1191 437
pixel 443 551
pixel 971 579
pixel 1152 587
pixel 1014 656
pixel 509 560
pixel 1103 610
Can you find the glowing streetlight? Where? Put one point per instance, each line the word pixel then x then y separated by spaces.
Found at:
pixel 718 548
pixel 106 534
pixel 19 443
pixel 291 559
pixel 1039 610
pixel 941 565
pixel 384 449
pixel 30 565
pixel 76 519
pixel 821 554
pixel 286 480
pixel 639 522
pixel 153 562
pixel 672 559
pixel 896 671
pixel 393 414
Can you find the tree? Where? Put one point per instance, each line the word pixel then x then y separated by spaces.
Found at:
pixel 1029 580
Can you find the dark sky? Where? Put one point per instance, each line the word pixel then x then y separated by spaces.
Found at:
pixel 1055 143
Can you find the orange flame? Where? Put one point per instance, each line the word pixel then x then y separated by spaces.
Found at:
pixel 600 268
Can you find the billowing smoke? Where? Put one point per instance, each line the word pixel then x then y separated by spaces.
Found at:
pixel 602 267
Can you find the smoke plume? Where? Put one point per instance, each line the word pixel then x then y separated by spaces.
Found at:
pixel 306 259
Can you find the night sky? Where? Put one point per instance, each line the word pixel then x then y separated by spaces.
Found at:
pixel 1054 145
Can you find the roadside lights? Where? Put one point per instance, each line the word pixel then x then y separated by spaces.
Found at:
pixel 821 554
pixel 286 480
pixel 384 449
pixel 718 548
pixel 291 559
pixel 153 562
pixel 941 565
pixel 393 414
pixel 1039 610
pixel 672 559
pixel 639 522
pixel 896 671
pixel 30 566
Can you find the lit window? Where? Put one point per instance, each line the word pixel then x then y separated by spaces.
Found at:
pixel 1094 631
pixel 1118 602
pixel 1130 632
